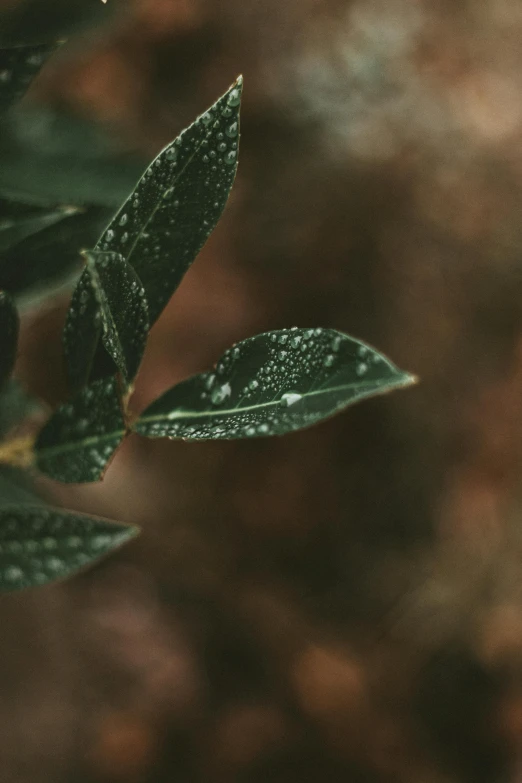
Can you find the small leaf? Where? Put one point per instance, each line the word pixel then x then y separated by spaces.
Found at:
pixel 18 67
pixel 39 544
pixel 272 384
pixel 165 222
pixel 109 296
pixel 9 326
pixel 80 438
pixel 15 230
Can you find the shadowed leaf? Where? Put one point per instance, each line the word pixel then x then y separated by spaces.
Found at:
pixel 39 544
pixel 108 299
pixel 14 230
pixel 272 384
pixel 9 326
pixel 81 436
pixel 18 67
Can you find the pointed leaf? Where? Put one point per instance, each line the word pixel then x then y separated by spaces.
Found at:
pixel 18 67
pixel 111 289
pixel 9 326
pixel 39 544
pixel 165 222
pixel 15 230
pixel 80 438
pixel 272 384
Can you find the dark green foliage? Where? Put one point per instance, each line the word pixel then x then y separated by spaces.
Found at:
pixel 48 159
pixel 18 67
pixel 272 384
pixel 14 230
pixel 39 544
pixel 80 438
pixel 59 186
pixel 167 219
pixel 109 300
pixel 8 336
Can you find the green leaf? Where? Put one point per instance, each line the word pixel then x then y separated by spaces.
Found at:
pixel 9 326
pixel 81 436
pixel 15 230
pixel 272 384
pixel 165 222
pixel 39 544
pixel 18 67
pixel 49 158
pixel 108 297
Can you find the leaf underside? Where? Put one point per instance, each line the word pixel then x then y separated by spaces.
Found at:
pixel 18 67
pixel 272 384
pixel 9 326
pixel 109 300
pixel 39 544
pixel 81 436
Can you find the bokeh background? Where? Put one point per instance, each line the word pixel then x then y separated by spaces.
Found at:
pixel 345 603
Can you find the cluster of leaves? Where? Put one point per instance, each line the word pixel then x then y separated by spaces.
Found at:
pixel 270 384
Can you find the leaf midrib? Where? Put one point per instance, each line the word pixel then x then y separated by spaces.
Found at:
pixel 184 413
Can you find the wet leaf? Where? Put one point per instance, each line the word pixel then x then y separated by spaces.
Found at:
pixel 165 222
pixel 18 67
pixel 14 230
pixel 9 325
pixel 80 438
pixel 39 544
pixel 272 384
pixel 108 299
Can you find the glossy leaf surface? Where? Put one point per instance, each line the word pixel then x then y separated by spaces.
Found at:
pixel 80 438
pixel 39 544
pixel 18 67
pixel 9 325
pixel 165 222
pixel 272 384
pixel 109 299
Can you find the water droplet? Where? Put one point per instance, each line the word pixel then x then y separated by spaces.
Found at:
pixel 123 220
pixel 283 339
pixel 328 360
pixel 253 384
pixel 220 394
pixel 232 130
pixel 172 153
pixel 125 237
pixel 282 354
pixel 250 431
pixel 206 119
pixel 294 342
pixel 222 147
pixel 230 157
pixel 234 98
pixel 13 573
pixel 336 342
pixel 109 235
pixel 290 398
pixel 263 429
pixel 226 111
pixel 362 350
pixel 361 368
pixel 205 159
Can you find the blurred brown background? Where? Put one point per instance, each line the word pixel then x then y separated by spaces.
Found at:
pixel 342 604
